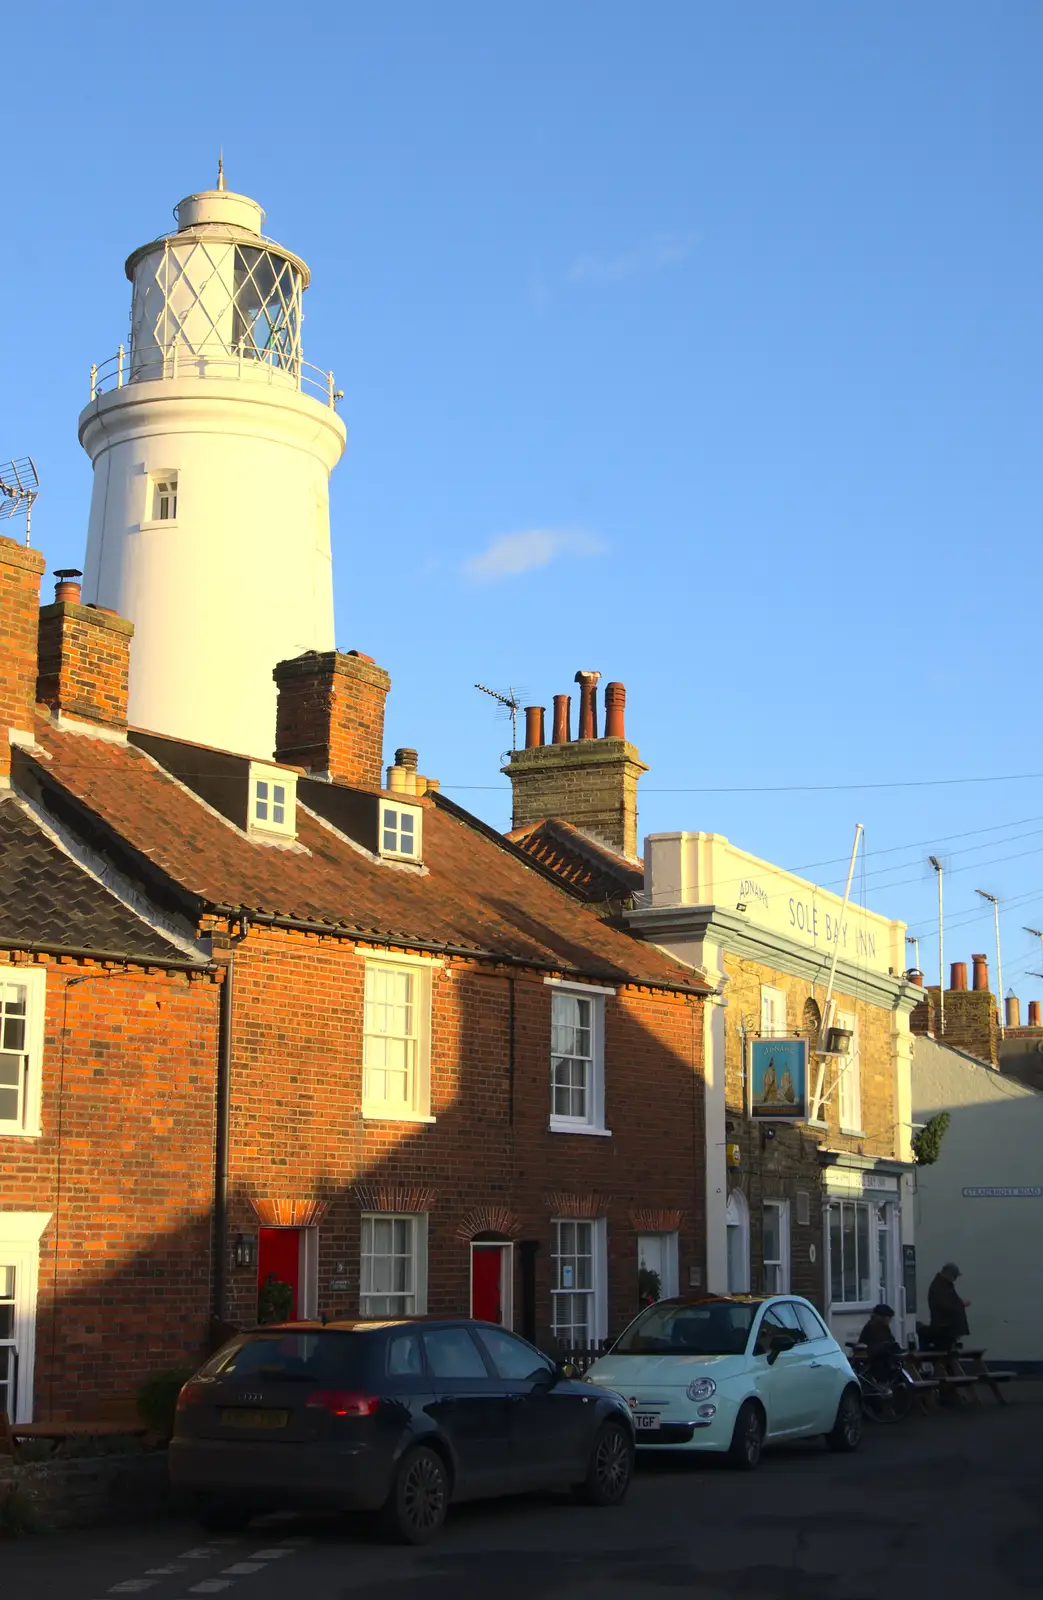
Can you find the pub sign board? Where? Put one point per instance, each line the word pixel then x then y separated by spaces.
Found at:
pixel 779 1080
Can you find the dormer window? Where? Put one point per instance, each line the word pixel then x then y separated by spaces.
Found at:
pixel 400 832
pixel 273 800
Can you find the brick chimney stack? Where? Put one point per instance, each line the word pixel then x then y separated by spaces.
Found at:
pixel 84 657
pixel 588 781
pixel 20 570
pixel 971 1017
pixel 330 716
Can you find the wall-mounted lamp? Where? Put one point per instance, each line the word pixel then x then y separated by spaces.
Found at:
pixel 245 1254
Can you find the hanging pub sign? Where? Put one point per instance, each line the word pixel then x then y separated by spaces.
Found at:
pixel 779 1080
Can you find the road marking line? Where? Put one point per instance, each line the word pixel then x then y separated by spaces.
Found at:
pixel 242 1569
pixel 210 1586
pixel 269 1555
pixel 201 1552
pixel 165 1572
pixel 133 1586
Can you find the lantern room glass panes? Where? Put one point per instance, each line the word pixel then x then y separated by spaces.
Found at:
pixel 266 312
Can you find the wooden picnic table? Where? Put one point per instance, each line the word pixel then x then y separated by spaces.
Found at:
pixel 956 1375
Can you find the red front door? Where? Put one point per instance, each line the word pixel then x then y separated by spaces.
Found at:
pixel 487 1286
pixel 279 1252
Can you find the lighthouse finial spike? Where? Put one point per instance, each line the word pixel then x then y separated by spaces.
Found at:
pixel 221 170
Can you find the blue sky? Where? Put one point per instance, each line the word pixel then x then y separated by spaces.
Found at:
pixel 699 344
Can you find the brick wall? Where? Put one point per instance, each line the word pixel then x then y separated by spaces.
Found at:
pixel 971 1021
pixel 330 716
pixel 84 662
pixel 125 1166
pixel 591 783
pixel 20 571
pixel 786 1166
pixel 298 1131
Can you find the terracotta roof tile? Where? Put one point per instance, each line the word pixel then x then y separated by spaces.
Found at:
pixel 477 893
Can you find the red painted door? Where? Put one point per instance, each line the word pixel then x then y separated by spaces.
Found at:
pixel 279 1251
pixel 487 1282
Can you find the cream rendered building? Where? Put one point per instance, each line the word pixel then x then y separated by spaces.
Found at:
pixel 819 1207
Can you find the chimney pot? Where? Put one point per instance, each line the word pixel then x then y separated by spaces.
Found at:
pixel 1012 1009
pixel 533 727
pixel 588 705
pixel 914 975
pixel 67 590
pixel 1034 1014
pixel 958 975
pixel 562 719
pixel 981 972
pixel 615 704
pixel 407 758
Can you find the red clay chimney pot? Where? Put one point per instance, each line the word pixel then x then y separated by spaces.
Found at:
pixel 533 727
pixel 67 589
pixel 588 706
pixel 958 975
pixel 562 719
pixel 615 704
pixel 1034 1014
pixel 981 972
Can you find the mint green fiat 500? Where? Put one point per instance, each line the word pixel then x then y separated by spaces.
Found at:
pixel 732 1374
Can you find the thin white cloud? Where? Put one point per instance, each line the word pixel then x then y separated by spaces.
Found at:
pixel 662 251
pixel 514 553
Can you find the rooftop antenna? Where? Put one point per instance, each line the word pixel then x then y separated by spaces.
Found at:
pixel 911 938
pixel 511 705
pixel 994 901
pixel 19 486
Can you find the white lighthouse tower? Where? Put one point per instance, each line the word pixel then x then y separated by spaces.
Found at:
pixel 212 442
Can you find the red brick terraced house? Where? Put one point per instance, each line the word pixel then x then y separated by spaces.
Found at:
pixel 344 1049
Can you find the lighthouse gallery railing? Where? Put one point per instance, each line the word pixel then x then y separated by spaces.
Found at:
pixel 158 363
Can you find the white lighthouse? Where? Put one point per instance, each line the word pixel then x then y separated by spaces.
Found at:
pixel 212 442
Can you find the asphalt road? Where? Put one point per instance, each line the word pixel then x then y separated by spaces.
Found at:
pixel 949 1503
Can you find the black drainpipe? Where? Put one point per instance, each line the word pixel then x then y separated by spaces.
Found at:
pixel 510 1051
pixel 224 1087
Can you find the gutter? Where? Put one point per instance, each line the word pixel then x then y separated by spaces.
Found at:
pixel 126 958
pixel 406 941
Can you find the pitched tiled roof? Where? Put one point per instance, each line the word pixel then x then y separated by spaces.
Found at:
pixel 48 900
pixel 592 869
pixel 477 894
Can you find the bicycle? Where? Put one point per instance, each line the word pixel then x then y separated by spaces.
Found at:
pixel 888 1397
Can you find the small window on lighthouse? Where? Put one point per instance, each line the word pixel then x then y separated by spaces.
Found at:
pixel 164 497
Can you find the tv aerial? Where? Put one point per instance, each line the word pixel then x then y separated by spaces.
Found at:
pixel 19 486
pixel 510 705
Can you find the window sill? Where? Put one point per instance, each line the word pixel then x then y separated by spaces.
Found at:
pixel 381 1114
pixel 157 522
pixel 852 1133
pixel 579 1127
pixel 11 1132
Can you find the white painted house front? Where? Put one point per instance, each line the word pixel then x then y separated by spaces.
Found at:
pixel 212 442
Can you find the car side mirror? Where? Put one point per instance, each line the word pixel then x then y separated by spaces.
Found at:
pixel 546 1377
pixel 780 1343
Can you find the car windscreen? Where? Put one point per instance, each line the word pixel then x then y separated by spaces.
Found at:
pixel 718 1328
pixel 284 1357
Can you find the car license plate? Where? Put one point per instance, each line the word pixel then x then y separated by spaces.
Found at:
pixel 239 1418
pixel 647 1422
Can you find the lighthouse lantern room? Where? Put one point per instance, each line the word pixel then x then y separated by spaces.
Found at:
pixel 212 442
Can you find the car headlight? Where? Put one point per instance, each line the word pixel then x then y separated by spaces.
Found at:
pixel 701 1389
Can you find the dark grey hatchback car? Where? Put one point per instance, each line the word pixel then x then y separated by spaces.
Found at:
pixel 399 1418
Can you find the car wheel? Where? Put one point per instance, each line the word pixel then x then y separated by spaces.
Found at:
pixel 846 1433
pixel 610 1468
pixel 747 1446
pixel 419 1499
pixel 221 1516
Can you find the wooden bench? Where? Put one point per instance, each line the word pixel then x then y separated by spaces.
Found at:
pixel 58 1432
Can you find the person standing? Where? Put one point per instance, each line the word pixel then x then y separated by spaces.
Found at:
pixel 948 1311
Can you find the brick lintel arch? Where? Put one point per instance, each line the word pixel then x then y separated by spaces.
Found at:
pixel 579 1207
pixel 489 1219
pixel 273 1212
pixel 408 1198
pixel 651 1221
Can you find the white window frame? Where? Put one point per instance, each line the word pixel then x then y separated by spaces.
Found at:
pixel 28 1124
pixel 739 1207
pixel 156 482
pixel 773 1007
pixel 394 852
pixel 418 1108
pixel 838 1202
pixel 272 779
pixel 417 1221
pixel 594 1120
pixel 20 1234
pixel 598 1291
pixel 849 1077
pixel 782 1261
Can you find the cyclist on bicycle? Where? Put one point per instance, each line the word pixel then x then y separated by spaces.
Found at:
pixel 881 1345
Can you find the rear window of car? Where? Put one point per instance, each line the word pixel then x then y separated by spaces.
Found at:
pixel 316 1357
pixel 717 1328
